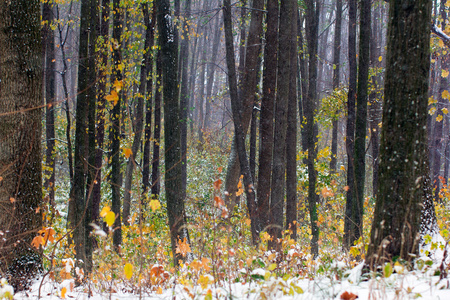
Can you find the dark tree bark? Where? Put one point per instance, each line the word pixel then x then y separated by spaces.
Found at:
pixel 21 71
pixel 280 127
pixel 172 143
pixel 48 38
pixel 336 76
pixel 115 129
pixel 291 136
pixel 238 128
pixel 374 98
pixel 349 228
pixel 157 128
pixel 404 152
pixel 78 204
pixel 267 110
pixel 247 92
pixel 101 109
pixel 184 93
pixel 312 19
pixel 361 121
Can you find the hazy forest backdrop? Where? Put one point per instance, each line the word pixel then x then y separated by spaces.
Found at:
pixel 142 140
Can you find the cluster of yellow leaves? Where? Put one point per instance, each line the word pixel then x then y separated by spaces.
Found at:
pixel 114 96
pixel 108 216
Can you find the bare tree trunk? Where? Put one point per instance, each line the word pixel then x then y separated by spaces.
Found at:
pixel 21 76
pixel 238 130
pixel 267 110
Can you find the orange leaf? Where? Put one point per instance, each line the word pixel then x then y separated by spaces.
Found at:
pixel 113 97
pixel 346 188
pixel 183 247
pixel 127 152
pixel 348 296
pixel 217 184
pixel 37 241
pixel 218 202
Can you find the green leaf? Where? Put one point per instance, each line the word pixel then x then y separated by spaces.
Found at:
pixel 387 270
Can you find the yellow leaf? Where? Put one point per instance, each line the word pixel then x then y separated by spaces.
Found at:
pixel 239 186
pixel 104 211
pixel 159 291
pixel 444 73
pixel 445 111
pixel 118 85
pixel 272 267
pixel 110 218
pixel 439 118
pixel 380 58
pixel 128 270
pixel 446 95
pixel 431 111
pixel 154 204
pixel 203 280
pixel 342 168
pixel 127 152
pixel 441 44
pixel 63 292
pixel 113 97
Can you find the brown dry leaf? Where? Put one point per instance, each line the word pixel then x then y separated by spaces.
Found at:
pixel 218 202
pixel 217 184
pixel 183 247
pixel 348 296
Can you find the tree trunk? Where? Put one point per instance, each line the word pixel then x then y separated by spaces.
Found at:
pixel 238 128
pixel 291 136
pixel 312 19
pixel 49 95
pixel 172 143
pixel 20 146
pixel 157 129
pixel 115 129
pixel 79 204
pixel 267 110
pixel 404 152
pixel 361 121
pixel 280 126
pixel 349 228
pixel 336 76
pixel 247 91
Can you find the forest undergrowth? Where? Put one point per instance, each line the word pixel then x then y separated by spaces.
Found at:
pixel 220 255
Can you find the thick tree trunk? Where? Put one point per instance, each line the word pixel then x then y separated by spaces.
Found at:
pixel 267 110
pixel 361 121
pixel 404 150
pixel 280 126
pixel 172 143
pixel 20 146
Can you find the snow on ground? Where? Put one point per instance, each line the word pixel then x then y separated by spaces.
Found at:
pixel 411 285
